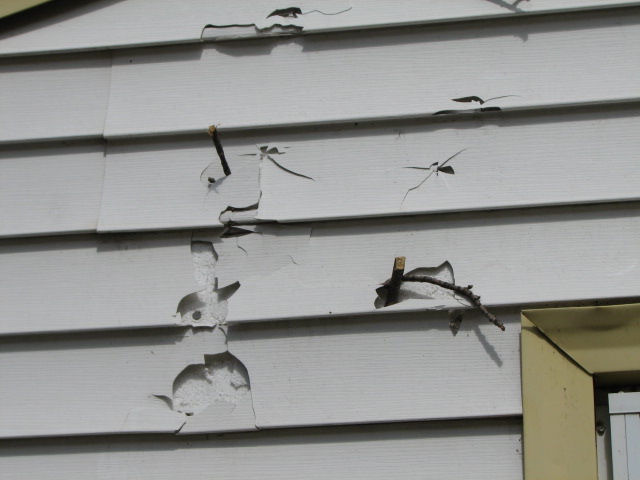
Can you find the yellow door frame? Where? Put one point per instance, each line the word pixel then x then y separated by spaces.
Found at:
pixel 9 7
pixel 562 350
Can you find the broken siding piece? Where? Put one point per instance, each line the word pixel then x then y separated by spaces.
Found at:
pixel 48 98
pixel 50 189
pixel 106 24
pixel 411 451
pixel 511 257
pixel 89 282
pixel 521 57
pixel 371 369
pixel 97 384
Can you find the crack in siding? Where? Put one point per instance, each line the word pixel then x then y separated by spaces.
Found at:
pixel 474 98
pixel 435 168
pixel 268 151
pixel 283 21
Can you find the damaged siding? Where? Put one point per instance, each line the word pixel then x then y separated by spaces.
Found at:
pixel 163 286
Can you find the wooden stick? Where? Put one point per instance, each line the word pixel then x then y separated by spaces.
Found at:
pixel 393 286
pixel 213 132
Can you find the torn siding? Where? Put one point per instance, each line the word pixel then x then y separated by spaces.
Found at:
pixel 501 163
pixel 97 384
pixel 106 24
pixel 50 189
pixel 319 270
pixel 541 61
pixel 344 263
pixel 361 171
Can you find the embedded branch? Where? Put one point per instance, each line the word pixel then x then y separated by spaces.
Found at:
pixel 393 286
pixel 397 277
pixel 463 291
pixel 213 132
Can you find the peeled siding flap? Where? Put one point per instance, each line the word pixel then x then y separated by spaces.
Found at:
pixel 45 98
pixel 90 282
pixel 378 452
pixel 49 189
pixel 409 72
pixel 108 24
pixel 511 257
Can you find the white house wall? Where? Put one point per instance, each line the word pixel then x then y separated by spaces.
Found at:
pixel 148 298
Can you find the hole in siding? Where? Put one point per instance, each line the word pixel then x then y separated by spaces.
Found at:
pixel 221 377
pixel 208 307
pixel 423 291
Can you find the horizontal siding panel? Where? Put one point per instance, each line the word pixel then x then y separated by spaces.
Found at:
pixel 50 189
pixel 584 155
pixel 89 282
pixel 54 97
pixel 311 373
pixel 470 450
pixel 511 257
pixel 98 384
pixel 537 61
pixel 514 160
pixel 107 24
pixel 372 369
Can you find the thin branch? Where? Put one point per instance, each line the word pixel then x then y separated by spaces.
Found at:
pixel 463 291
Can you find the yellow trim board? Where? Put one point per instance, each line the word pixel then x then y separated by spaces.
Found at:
pixel 562 348
pixel 9 7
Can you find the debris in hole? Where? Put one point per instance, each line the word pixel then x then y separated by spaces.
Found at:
pixel 293 12
pixel 398 277
pixel 420 291
pixel 474 98
pixel 435 167
pixel 455 320
pixel 266 151
pixel 197 315
pixel 221 377
pixel 213 132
